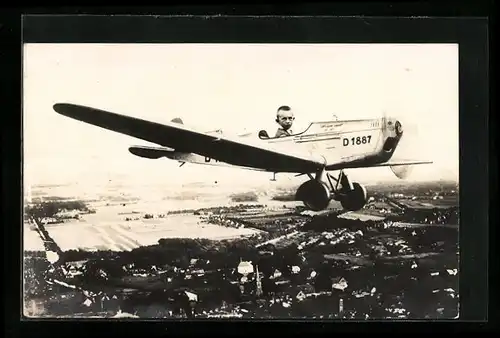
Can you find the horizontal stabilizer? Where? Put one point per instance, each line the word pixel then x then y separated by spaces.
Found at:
pixel 401 163
pixel 403 169
pixel 151 152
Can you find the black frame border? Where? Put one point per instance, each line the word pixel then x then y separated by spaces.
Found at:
pixel 476 171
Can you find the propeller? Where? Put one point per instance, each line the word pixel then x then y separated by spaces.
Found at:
pixel 402 171
pixel 404 149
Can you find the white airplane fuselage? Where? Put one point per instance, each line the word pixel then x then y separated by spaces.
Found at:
pixel 336 142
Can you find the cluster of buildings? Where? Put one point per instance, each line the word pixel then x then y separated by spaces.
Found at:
pixel 207 289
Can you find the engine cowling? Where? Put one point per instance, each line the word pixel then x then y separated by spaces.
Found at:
pixel 355 199
pixel 315 195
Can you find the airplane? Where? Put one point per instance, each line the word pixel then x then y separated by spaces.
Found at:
pixel 321 148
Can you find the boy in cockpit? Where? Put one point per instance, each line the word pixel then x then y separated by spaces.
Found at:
pixel 284 118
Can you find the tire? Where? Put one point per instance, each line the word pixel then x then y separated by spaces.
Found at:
pixel 315 195
pixel 355 199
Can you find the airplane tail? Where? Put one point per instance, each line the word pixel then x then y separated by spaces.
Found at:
pixel 151 152
pixel 154 152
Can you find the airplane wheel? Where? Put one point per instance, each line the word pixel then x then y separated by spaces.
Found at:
pixel 354 200
pixel 315 195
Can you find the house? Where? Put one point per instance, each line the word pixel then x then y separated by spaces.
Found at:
pixel 301 296
pixel 303 291
pixel 339 283
pixel 312 275
pixel 74 270
pixel 276 274
pixel 266 253
pixel 198 272
pixel 191 296
pixel 306 288
pixel 281 281
pixel 245 268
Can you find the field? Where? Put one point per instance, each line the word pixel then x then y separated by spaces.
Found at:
pixel 123 222
pixel 116 234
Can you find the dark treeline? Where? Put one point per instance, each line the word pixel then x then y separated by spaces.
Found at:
pixel 51 208
pixel 173 251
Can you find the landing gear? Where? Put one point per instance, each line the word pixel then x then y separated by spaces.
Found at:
pixel 354 199
pixel 316 193
pixel 351 195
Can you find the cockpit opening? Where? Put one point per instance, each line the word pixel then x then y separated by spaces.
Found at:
pixel 263 135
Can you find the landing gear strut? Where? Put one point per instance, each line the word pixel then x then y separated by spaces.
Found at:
pixel 351 195
pixel 317 192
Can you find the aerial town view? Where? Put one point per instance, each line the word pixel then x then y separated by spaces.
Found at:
pixel 252 258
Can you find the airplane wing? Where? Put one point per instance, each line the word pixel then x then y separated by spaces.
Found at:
pixel 181 138
pixel 371 161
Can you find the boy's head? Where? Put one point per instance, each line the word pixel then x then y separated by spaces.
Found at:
pixel 285 117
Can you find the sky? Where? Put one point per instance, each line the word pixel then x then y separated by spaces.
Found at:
pixel 235 87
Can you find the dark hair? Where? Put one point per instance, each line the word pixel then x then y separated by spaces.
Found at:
pixel 285 108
